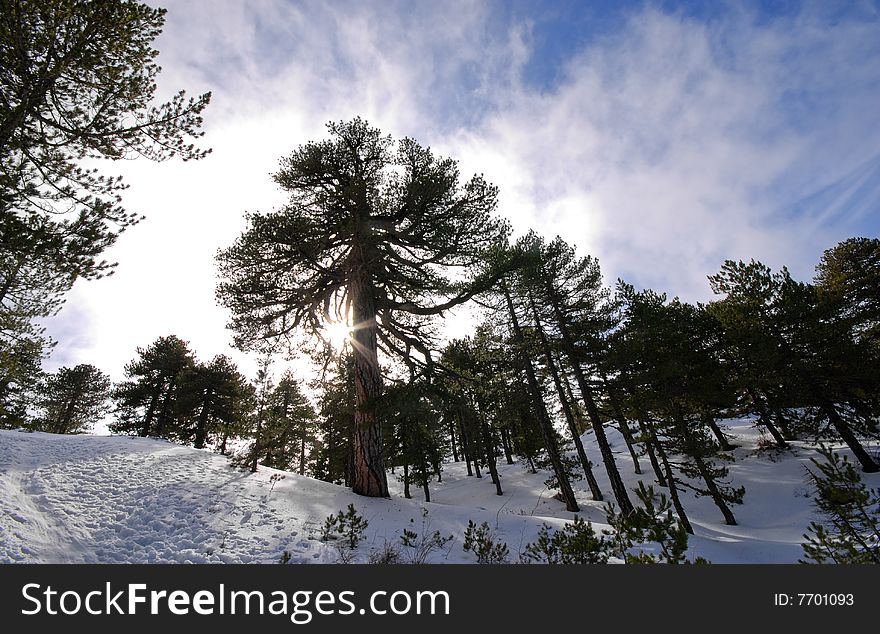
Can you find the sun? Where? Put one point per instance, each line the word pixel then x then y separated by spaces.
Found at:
pixel 337 333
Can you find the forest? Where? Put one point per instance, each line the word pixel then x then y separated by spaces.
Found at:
pixel 382 238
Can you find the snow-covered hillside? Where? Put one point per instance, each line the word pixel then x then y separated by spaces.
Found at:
pixel 118 499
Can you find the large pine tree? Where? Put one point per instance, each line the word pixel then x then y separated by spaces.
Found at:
pixel 377 234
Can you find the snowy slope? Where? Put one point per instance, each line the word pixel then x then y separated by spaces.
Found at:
pixel 118 499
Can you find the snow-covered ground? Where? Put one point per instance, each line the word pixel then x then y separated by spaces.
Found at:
pixel 102 499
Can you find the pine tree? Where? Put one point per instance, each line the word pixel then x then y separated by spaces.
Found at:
pixel 665 349
pixel 850 532
pixel 570 291
pixel 545 424
pixel 417 431
pixel 335 431
pixel 72 400
pixel 77 80
pixel 289 432
pixel 146 403
pixel 848 276
pixel 213 401
pixel 370 236
pixel 28 293
pixel 478 386
pixel 788 331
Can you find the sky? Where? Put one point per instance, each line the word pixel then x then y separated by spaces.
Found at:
pixel 660 137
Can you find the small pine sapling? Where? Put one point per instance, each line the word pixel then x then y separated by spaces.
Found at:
pixel 481 541
pixel 851 530
pixel 652 522
pixel 575 543
pixel 347 529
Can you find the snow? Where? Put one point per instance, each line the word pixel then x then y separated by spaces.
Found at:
pixel 113 499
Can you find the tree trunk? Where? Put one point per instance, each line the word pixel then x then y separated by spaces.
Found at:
pixel 622 423
pixel 544 422
pixel 846 433
pixel 764 417
pixel 165 414
pixel 616 481
pixel 465 443
pixel 709 421
pixel 147 426
pixel 729 519
pixel 368 477
pixel 586 465
pixel 673 488
pixel 63 424
pixel 650 443
pixel 703 469
pixel 302 454
pixel 257 442
pixel 452 440
pixel 489 449
pixel 828 408
pixel 473 446
pixel 781 420
pixel 505 443
pixel 202 423
pixel 225 439
pixel 426 489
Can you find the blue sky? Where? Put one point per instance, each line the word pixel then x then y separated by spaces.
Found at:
pixel 661 137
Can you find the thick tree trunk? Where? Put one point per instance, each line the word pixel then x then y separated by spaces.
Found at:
pixel 302 454
pixel 544 422
pixel 368 477
pixel 586 465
